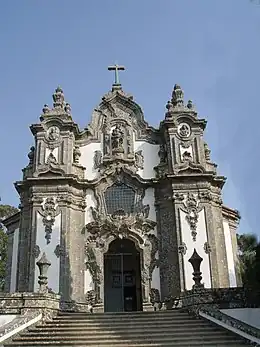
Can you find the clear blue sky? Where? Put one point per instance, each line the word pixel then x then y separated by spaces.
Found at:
pixel 211 48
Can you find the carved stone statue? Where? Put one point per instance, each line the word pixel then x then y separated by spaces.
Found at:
pixel 76 154
pixel 139 159
pixel 97 159
pixel 117 140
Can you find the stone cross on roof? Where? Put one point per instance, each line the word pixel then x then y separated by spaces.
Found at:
pixel 116 68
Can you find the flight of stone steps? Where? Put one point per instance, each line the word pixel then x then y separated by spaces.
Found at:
pixel 163 328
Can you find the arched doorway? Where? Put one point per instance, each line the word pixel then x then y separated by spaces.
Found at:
pixel 122 277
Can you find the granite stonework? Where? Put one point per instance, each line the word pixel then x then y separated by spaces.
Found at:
pixel 67 190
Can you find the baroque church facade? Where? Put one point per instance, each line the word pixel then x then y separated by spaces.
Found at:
pixel 122 212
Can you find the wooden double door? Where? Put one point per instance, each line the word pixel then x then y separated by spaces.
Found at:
pixel 122 277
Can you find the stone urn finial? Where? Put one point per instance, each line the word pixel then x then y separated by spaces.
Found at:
pixel 195 261
pixel 43 264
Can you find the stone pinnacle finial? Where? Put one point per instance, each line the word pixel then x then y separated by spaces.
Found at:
pixel 60 106
pixel 177 96
pixel 58 98
pixel 116 68
pixel 43 264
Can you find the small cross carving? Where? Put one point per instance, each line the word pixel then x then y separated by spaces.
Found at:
pixel 116 68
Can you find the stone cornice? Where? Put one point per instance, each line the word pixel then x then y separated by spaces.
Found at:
pixel 14 219
pixel 233 216
pixel 65 126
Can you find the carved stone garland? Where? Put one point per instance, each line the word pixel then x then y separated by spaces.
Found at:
pixel 49 213
pixel 192 210
pixel 106 228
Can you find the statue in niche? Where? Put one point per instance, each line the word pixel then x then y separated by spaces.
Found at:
pixel 97 159
pixel 117 140
pixel 139 159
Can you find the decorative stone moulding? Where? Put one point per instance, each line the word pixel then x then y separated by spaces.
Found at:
pixel 184 130
pixel 105 228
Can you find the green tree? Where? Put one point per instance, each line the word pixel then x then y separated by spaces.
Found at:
pixel 249 256
pixel 5 211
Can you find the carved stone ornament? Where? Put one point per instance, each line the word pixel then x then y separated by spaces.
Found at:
pixel 53 133
pixel 36 251
pixel 184 130
pixel 58 98
pixel 76 154
pixel 207 248
pixel 139 159
pixel 92 266
pixel 207 152
pixel 51 160
pixel 119 224
pixel 31 155
pixel 182 248
pixel 178 197
pixel 49 214
pixel 60 107
pixel 97 159
pixel 59 251
pixel 177 96
pixel 153 242
pixel 192 213
pixel 186 156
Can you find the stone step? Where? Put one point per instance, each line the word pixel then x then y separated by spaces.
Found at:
pixel 221 342
pixel 165 328
pixel 124 314
pixel 97 329
pixel 112 323
pixel 121 317
pixel 138 334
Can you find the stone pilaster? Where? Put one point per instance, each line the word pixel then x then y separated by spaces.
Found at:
pixel 167 235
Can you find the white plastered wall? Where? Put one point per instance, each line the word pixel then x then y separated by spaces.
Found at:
pixel 14 261
pixel 230 256
pixel 87 159
pixel 54 270
pixel 201 238
pixel 151 158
